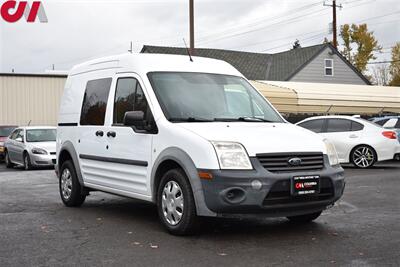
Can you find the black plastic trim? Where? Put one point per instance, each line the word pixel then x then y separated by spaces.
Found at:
pixel 115 160
pixel 68 124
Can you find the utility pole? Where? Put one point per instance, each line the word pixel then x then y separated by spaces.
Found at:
pixel 191 21
pixel 334 21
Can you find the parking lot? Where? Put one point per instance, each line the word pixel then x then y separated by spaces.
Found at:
pixel 36 229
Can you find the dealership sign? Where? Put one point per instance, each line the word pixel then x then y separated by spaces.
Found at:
pixel 13 11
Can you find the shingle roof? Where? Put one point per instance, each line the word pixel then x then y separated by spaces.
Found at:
pixel 254 66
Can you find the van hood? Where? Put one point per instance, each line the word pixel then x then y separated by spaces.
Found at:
pixel 260 137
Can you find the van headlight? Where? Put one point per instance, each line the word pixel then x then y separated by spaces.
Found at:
pixel 331 152
pixel 232 156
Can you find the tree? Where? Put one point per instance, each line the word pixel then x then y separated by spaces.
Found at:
pixel 381 74
pixel 395 66
pixel 358 37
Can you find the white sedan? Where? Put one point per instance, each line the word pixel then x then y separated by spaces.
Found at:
pixel 356 140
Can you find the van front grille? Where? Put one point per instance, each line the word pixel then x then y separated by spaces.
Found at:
pixel 279 162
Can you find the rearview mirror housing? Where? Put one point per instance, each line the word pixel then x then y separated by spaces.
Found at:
pixel 134 118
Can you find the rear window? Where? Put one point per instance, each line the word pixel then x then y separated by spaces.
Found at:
pixel 313 125
pixel 6 131
pixel 381 122
pixel 94 104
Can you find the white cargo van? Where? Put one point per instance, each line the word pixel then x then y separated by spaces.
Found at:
pixel 195 138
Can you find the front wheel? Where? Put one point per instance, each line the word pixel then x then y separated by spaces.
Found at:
pixel 305 218
pixel 27 162
pixel 175 203
pixel 70 188
pixel 363 156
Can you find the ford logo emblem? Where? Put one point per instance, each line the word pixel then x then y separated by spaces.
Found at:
pixel 294 161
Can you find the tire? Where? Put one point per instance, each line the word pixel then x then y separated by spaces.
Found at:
pixel 363 156
pixel 306 218
pixel 69 186
pixel 7 160
pixel 27 162
pixel 175 204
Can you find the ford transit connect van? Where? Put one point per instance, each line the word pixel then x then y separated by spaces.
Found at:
pixel 193 137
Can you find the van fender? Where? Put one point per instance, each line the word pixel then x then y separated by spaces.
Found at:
pixel 188 166
pixel 69 147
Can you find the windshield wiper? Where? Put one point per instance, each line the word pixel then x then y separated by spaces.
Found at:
pixel 248 119
pixel 189 119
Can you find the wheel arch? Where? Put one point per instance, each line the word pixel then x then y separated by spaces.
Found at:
pixel 68 152
pixel 174 157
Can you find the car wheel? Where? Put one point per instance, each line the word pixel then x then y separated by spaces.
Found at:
pixel 70 188
pixel 175 203
pixel 363 156
pixel 9 164
pixel 27 162
pixel 305 218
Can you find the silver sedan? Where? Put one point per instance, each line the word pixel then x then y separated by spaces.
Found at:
pixel 31 147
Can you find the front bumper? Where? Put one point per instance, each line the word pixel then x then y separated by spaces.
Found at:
pixel 232 192
pixel 42 160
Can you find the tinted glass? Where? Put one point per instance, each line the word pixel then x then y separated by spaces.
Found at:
pixel 14 134
pixel 381 122
pixel 124 98
pixel 397 126
pixel 6 131
pixel 95 102
pixel 129 96
pixel 41 135
pixel 313 125
pixel 355 126
pixel 209 97
pixel 338 125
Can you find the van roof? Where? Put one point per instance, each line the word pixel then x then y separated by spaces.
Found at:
pixel 144 63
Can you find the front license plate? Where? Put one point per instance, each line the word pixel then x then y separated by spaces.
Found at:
pixel 305 185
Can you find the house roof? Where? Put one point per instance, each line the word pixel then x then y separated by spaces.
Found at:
pixel 259 66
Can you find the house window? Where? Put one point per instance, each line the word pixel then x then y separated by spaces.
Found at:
pixel 328 67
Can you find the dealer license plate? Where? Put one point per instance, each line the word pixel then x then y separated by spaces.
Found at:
pixel 305 185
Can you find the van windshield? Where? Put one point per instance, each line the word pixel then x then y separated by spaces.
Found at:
pixel 203 97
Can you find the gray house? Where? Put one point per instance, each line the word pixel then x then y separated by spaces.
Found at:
pixel 319 63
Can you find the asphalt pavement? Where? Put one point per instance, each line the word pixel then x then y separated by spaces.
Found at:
pixel 363 229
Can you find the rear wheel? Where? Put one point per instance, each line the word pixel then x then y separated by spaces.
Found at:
pixel 175 203
pixel 9 164
pixel 305 218
pixel 363 156
pixel 70 188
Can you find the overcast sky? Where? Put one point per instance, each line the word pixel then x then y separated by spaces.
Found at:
pixel 80 30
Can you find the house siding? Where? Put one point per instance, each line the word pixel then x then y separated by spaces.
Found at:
pixel 314 71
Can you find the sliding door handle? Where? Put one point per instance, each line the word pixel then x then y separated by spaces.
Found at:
pixel 111 134
pixel 99 133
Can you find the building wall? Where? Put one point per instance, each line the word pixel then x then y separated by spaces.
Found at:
pixel 315 71
pixel 25 98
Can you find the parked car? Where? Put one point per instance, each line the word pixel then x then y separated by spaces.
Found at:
pixel 193 137
pixel 356 140
pixel 389 122
pixel 31 147
pixel 5 131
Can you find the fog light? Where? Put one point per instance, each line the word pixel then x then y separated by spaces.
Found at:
pixel 256 184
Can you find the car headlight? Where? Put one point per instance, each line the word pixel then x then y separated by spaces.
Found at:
pixel 331 152
pixel 39 151
pixel 232 156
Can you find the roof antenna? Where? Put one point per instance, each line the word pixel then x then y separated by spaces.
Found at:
pixel 187 50
pixel 29 123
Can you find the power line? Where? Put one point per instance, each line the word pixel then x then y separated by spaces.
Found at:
pixel 386 61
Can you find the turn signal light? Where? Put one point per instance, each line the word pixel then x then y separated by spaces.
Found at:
pixel 389 134
pixel 205 175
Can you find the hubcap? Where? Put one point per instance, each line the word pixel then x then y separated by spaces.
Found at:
pixel 363 157
pixel 66 184
pixel 172 202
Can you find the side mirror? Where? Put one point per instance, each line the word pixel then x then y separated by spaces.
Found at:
pixel 134 118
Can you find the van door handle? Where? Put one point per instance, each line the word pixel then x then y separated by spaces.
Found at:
pixel 353 136
pixel 111 134
pixel 99 133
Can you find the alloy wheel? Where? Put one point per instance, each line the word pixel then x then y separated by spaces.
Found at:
pixel 172 202
pixel 66 184
pixel 363 157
